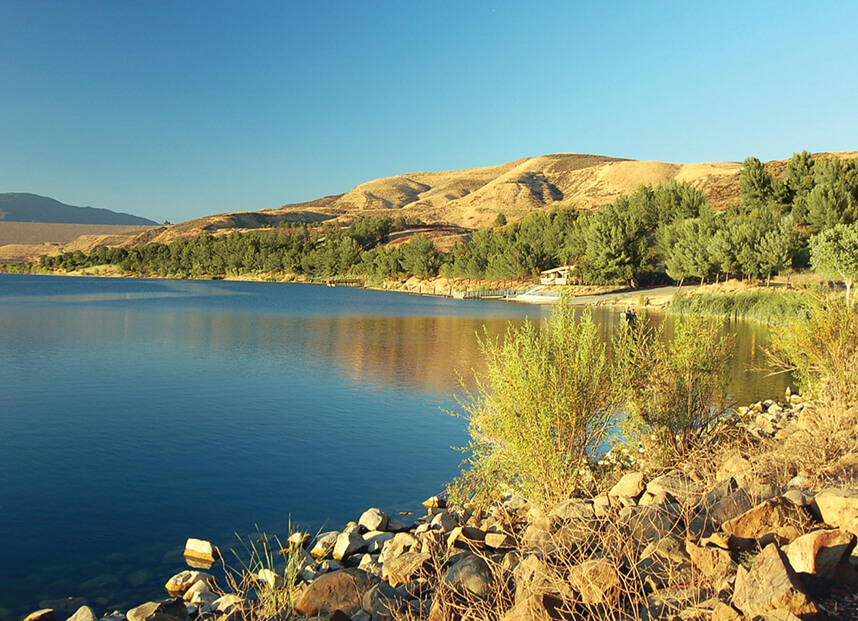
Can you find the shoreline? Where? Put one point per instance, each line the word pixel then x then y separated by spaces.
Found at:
pixel 399 565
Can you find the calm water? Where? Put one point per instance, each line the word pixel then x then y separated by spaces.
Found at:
pixel 137 413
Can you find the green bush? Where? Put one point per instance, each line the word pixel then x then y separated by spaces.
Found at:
pixel 541 410
pixel 766 306
pixel 675 389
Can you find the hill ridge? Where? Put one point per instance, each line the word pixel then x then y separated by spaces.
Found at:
pixel 28 207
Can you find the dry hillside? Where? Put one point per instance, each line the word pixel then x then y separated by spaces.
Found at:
pixel 462 200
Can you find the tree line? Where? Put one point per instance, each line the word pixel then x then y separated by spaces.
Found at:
pixel 670 231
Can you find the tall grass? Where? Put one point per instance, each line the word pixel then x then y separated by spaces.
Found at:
pixel 764 306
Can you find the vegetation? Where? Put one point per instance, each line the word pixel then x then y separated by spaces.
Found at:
pixel 650 235
pixel 542 409
pixel 548 397
pixel 834 254
pixel 676 389
pixel 761 305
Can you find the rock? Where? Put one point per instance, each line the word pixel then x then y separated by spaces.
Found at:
pixel 200 586
pixel 672 603
pixel 601 506
pixel 401 543
pixel 711 562
pixel 382 601
pixel 395 525
pixel 324 544
pixel 466 537
pixel 444 522
pixel 433 542
pixel 645 524
pixel 84 613
pixel 470 574
pixel 838 507
pixel 375 540
pixel 573 509
pixel 370 565
pixel 330 565
pixel 536 597
pixel 202 598
pixel 407 567
pixel 348 542
pixel 339 590
pixel 184 580
pixel 596 582
pixel 538 537
pixel 725 612
pixel 630 486
pixel 435 502
pixel 298 539
pixel 45 614
pixel 771 584
pixel 664 561
pixel 820 552
pixel 679 486
pixel 200 550
pixel 774 519
pixel 374 519
pixel 226 604
pixel 166 610
pixel 500 541
pixel 271 578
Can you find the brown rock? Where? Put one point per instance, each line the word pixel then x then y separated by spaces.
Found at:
pixel 470 575
pixel 166 610
pixel 45 614
pixel 645 524
pixel 838 507
pixel 407 567
pixel 683 489
pixel 777 518
pixel 630 486
pixel 500 541
pixel 771 584
pixel 466 537
pixel 711 562
pixel 596 582
pixel 184 580
pixel 820 552
pixel 339 590
pixel 725 612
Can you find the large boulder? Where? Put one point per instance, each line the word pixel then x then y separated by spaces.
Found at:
pixel 776 519
pixel 712 562
pixel 339 590
pixel 677 485
pixel 838 507
pixel 820 552
pixel 407 567
pixel 649 523
pixel 573 509
pixel 597 582
pixel 374 519
pixel 470 575
pixel 45 614
pixel 771 584
pixel 630 486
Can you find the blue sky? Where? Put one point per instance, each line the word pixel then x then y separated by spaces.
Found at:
pixel 178 109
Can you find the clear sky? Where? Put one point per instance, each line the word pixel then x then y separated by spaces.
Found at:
pixel 174 109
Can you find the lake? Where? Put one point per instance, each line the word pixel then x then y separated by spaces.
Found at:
pixel 137 413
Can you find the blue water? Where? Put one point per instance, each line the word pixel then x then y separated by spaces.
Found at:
pixel 137 413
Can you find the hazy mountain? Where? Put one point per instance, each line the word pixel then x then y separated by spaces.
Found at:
pixel 22 207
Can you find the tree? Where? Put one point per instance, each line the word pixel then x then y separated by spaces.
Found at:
pixel 500 220
pixel 755 183
pixel 776 248
pixel 828 204
pixel 834 254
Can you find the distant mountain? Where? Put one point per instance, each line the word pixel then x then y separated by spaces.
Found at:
pixel 21 207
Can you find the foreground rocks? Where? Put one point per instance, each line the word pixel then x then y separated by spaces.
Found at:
pixel 647 547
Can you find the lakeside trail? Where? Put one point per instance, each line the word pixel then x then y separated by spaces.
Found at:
pixel 719 538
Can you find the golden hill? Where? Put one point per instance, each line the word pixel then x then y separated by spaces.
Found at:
pixel 462 200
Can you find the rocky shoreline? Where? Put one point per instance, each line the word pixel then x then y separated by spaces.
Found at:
pixel 667 545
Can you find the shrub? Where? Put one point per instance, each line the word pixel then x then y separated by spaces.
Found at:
pixel 676 389
pixel 822 352
pixel 541 410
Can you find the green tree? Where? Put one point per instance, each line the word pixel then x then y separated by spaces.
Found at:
pixel 755 183
pixel 834 254
pixel 828 204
